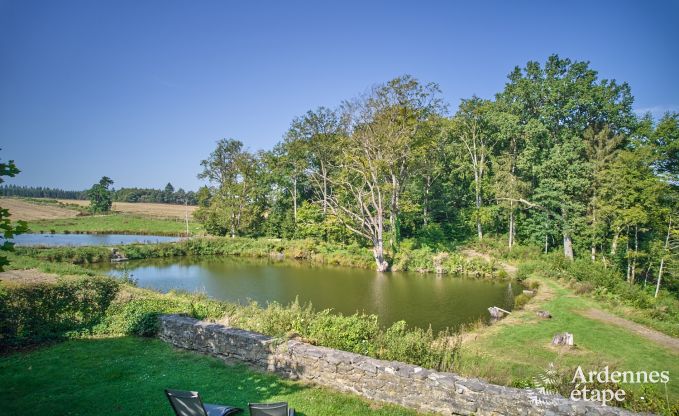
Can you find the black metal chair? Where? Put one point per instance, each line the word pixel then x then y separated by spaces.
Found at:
pixel 270 409
pixel 189 403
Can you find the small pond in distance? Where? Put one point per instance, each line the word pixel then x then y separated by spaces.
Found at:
pixel 419 299
pixel 58 240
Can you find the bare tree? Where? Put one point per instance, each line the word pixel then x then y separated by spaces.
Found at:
pixel 376 157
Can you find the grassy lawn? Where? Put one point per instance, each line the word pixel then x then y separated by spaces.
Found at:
pixel 116 223
pixel 521 347
pixel 127 376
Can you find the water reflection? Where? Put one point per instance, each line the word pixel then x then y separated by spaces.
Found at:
pixel 419 299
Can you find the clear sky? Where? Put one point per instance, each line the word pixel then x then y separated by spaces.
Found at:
pixel 141 90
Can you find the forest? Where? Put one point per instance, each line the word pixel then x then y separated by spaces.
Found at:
pixel 167 195
pixel 557 159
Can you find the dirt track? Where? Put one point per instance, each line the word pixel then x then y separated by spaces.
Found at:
pixel 650 334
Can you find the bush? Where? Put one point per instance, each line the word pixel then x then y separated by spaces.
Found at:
pixel 30 314
pixel 521 300
pixel 139 316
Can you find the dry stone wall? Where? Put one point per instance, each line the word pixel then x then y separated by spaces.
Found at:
pixel 386 381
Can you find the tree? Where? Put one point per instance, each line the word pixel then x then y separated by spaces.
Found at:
pixel 563 99
pixel 234 174
pixel 630 195
pixel 665 141
pixel 314 138
pixel 101 198
pixel 168 194
pixel 8 229
pixel 376 158
pixel 471 134
pixel 602 147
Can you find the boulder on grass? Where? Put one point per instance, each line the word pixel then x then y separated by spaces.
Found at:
pixel 544 314
pixel 564 338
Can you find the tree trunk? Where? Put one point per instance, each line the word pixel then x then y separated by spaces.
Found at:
pixel 636 252
pixel 546 243
pixel 378 244
pixel 627 254
pixel 593 249
pixel 325 189
pixel 294 199
pixel 378 253
pixel 477 181
pixel 425 204
pixel 614 243
pixel 567 246
pixel 511 224
pixel 662 259
pixel 233 224
pixel 393 213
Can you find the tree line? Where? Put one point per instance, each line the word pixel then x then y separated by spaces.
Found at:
pixel 40 192
pixel 167 195
pixel 556 159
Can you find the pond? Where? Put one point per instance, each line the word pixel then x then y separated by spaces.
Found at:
pixel 58 240
pixel 419 299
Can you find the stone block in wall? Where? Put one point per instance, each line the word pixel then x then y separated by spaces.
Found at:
pixel 386 381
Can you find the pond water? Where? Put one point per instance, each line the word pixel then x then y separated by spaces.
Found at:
pixel 54 240
pixel 419 299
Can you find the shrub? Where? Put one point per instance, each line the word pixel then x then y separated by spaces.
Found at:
pixel 39 312
pixel 584 287
pixel 520 300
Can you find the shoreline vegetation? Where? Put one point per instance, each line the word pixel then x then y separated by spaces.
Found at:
pixel 495 353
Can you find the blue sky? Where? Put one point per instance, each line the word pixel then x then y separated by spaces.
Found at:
pixel 141 90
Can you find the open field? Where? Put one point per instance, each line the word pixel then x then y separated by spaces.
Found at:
pixel 127 218
pixel 145 209
pixel 127 375
pixel 24 210
pixel 117 224
pixel 30 210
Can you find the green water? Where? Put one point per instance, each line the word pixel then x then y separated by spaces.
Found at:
pixel 419 299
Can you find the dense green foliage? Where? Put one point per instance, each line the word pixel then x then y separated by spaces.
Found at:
pixel 7 229
pixel 100 196
pixel 39 312
pixel 127 375
pixel 167 195
pixel 557 160
pixel 40 192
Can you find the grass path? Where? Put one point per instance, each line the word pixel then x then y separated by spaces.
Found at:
pixel 519 347
pixel 648 333
pixel 126 376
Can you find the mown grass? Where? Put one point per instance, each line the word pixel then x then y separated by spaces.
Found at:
pixel 116 224
pixel 127 376
pixel 516 351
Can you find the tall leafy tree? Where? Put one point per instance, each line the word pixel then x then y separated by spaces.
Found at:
pixel 563 99
pixel 233 173
pixel 101 197
pixel 472 135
